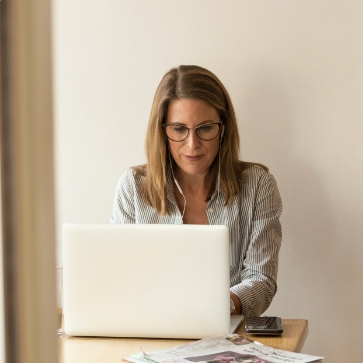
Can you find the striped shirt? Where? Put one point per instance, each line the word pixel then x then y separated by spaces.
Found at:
pixel 254 230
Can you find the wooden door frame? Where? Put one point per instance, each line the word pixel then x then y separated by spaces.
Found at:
pixel 27 181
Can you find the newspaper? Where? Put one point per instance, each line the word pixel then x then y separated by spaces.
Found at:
pixel 231 348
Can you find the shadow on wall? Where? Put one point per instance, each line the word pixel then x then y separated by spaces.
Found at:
pixel 319 263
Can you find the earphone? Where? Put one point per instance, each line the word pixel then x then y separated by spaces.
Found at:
pixel 219 159
pixel 177 184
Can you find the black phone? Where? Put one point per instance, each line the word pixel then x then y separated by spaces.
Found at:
pixel 264 325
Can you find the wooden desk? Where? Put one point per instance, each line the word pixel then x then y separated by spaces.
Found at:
pixel 292 339
pixel 112 350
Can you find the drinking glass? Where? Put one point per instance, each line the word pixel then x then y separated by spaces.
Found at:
pixel 59 276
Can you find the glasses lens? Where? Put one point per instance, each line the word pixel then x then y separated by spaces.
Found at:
pixel 208 131
pixel 177 132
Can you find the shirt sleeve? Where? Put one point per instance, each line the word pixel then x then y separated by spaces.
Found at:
pixel 123 205
pixel 260 262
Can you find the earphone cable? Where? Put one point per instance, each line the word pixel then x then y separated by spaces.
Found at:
pixel 177 185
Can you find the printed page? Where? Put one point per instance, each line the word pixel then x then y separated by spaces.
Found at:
pixel 231 348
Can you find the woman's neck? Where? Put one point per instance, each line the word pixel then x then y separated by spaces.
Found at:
pixel 191 183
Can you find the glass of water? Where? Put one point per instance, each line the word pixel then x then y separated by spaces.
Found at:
pixel 59 276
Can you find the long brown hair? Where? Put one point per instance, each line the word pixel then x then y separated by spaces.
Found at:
pixel 191 82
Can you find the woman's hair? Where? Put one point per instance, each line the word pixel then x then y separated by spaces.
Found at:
pixel 191 82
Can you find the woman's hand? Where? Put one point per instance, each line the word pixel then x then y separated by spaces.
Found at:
pixel 237 304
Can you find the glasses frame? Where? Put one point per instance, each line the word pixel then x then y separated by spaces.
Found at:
pixel 220 125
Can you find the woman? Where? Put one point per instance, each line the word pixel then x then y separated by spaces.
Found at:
pixel 194 176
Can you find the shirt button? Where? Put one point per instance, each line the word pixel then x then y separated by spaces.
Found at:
pixel 211 210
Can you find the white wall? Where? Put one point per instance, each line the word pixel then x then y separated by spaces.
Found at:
pixel 294 70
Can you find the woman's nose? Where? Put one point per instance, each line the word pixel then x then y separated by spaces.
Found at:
pixel 193 140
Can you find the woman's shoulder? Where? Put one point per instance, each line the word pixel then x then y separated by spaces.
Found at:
pixel 132 175
pixel 254 173
pixel 250 168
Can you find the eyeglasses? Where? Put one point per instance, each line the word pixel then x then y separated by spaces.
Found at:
pixel 206 132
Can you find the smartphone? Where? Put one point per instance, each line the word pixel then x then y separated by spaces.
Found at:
pixel 264 325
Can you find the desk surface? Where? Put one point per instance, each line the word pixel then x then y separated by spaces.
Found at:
pixel 112 350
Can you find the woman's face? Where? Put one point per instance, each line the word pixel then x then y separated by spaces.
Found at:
pixel 193 155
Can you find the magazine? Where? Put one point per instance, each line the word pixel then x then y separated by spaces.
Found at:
pixel 231 348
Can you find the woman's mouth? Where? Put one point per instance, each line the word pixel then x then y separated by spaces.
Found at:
pixel 193 157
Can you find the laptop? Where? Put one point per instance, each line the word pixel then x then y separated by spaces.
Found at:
pixel 142 280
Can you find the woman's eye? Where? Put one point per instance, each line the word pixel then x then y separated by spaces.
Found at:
pixel 179 129
pixel 205 128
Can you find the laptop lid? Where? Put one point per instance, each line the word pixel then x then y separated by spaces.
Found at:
pixel 154 281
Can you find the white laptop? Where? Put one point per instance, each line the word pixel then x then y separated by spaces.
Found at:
pixel 153 281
